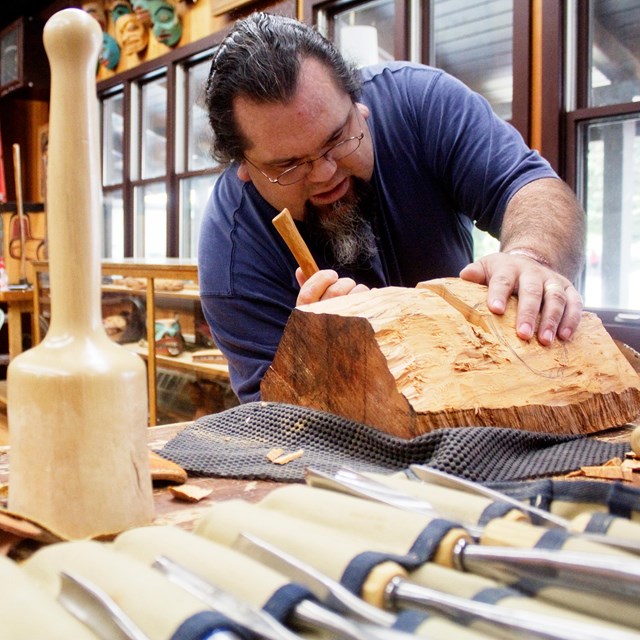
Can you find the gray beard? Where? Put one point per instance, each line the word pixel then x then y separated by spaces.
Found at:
pixel 343 227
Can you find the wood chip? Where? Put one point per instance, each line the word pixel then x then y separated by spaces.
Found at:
pixel 190 492
pixel 134 283
pixel 164 470
pixel 627 470
pixel 274 454
pixel 168 284
pixel 289 457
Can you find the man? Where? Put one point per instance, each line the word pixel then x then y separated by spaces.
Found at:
pixel 385 172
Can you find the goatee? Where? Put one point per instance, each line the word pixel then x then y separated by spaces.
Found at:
pixel 344 226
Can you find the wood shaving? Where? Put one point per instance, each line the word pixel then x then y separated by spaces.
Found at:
pixel 289 457
pixel 627 470
pixel 134 283
pixel 190 492
pixel 274 454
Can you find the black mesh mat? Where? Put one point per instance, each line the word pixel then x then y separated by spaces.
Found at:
pixel 235 443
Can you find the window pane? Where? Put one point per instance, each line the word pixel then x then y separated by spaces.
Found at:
pixel 199 132
pixel 194 193
pixel 112 127
pixel 154 128
pixel 614 33
pixel 150 233
pixel 474 42
pixel 365 33
pixel 113 225
pixel 612 196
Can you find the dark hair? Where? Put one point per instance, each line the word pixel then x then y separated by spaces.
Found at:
pixel 260 59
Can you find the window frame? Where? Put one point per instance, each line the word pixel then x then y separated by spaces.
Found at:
pixel 127 82
pixel 623 324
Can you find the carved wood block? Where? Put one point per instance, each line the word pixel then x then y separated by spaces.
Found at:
pixel 408 361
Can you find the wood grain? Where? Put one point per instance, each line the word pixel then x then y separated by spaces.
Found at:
pixel 408 361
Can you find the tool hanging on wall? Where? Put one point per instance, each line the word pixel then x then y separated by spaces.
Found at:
pixel 17 172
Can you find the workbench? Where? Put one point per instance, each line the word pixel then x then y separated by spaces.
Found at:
pixel 169 510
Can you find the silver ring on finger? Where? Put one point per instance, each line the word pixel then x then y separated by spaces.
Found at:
pixel 550 287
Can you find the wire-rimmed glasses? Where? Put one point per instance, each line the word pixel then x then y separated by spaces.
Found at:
pixel 301 170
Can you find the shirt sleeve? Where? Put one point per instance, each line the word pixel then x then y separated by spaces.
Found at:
pixel 482 158
pixel 248 333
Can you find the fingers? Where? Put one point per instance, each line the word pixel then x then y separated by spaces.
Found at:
pixel 558 305
pixel 548 304
pixel 325 284
pixel 475 272
pixel 561 312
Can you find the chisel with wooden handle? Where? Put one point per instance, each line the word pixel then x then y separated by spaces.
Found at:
pixel 400 530
pixel 306 613
pixel 287 229
pixel 381 581
pixel 604 571
pixel 401 593
pixel 219 567
pixel 433 476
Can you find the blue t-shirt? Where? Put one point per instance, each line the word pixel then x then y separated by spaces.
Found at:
pixel 443 161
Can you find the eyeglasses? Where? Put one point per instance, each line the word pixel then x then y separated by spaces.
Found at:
pixel 300 171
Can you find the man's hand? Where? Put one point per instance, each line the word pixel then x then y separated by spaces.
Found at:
pixel 323 285
pixel 540 290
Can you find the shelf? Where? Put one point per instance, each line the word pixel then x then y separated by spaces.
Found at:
pixel 151 271
pixel 184 294
pixel 183 362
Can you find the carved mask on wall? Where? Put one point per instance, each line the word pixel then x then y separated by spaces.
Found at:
pixel 110 52
pixel 95 9
pixel 131 34
pixel 142 10
pixel 118 8
pixel 167 26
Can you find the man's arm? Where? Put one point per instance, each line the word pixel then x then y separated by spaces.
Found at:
pixel 545 219
pixel 542 251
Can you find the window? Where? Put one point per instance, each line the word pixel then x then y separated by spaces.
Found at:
pixel 611 151
pixel 157 171
pixel 603 143
pixel 473 41
pixel 149 168
pixel 196 170
pixel 365 33
pixel 113 174
pixel 470 39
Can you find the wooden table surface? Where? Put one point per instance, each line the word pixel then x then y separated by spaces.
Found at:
pixel 168 509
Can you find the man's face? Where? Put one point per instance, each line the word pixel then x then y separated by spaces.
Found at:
pixel 282 135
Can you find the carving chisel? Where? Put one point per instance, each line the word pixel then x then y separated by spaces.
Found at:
pixel 307 613
pixel 433 476
pixel 97 610
pixel 400 593
pixel 616 573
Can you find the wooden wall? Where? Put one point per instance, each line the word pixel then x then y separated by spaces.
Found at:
pixel 22 119
pixel 198 21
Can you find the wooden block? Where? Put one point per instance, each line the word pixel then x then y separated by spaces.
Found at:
pixel 408 361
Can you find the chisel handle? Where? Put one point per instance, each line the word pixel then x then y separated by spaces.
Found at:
pixel 286 227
